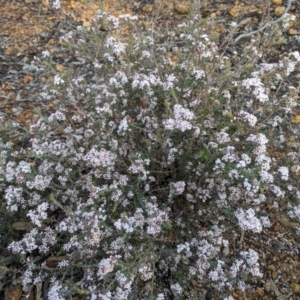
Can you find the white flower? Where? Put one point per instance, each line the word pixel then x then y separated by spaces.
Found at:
pixel 248 220
pixel 63 263
pixel 45 54
pixel 251 119
pixel 56 291
pixel 56 4
pixel 38 215
pixel 178 187
pixel 123 127
pixel 284 172
pixel 222 137
pixel 251 257
pixel 199 74
pixel 296 55
pixel 145 271
pixel 176 289
pixel 182 118
pixel 233 24
pixel 58 80
pixel 106 266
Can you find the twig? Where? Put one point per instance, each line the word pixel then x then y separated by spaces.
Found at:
pixel 266 25
pixel 242 236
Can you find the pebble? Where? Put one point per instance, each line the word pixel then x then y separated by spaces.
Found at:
pixel 147 8
pixel 27 79
pixel 226 251
pixel 182 9
pixel 277 2
pixel 267 287
pixel 283 291
pixel 260 291
pixel 279 11
pixel 271 268
pixel 292 31
pixel 295 287
pixel 233 12
pixel 235 295
pixel 296 120
pixel 274 275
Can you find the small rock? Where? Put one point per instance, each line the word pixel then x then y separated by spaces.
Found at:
pixel 235 295
pixel 260 291
pixel 295 287
pixel 296 119
pixel 283 291
pixel 292 31
pixel 239 292
pixel 147 8
pixel 27 79
pixel 277 2
pixel 267 287
pixel 279 11
pixel 271 268
pixel 182 9
pixel 15 292
pixel 274 275
pixel 274 287
pixel 45 5
pixel 59 67
pixel 43 79
pixel 234 13
pixel 226 251
pixel 282 280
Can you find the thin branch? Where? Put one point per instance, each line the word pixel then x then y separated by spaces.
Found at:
pixel 266 25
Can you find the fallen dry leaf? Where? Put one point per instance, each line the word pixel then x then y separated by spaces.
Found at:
pixel 15 293
pixel 59 68
pixel 234 13
pixel 27 79
pixel 296 119
pixel 39 291
pixel 53 261
pixel 21 226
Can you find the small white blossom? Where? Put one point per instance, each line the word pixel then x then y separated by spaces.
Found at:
pixel 58 80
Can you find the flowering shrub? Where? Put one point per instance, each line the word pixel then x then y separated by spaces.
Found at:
pixel 152 167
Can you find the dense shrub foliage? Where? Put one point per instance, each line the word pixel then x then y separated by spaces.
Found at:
pixel 146 179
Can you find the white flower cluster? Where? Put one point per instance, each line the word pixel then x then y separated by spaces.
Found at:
pixel 284 172
pixel 39 214
pixel 251 119
pixel 261 141
pixel 155 219
pixel 145 271
pixel 121 179
pixel 106 265
pixel 258 88
pixel 251 257
pixel 248 221
pixel 182 118
pixel 176 188
pixel 56 291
